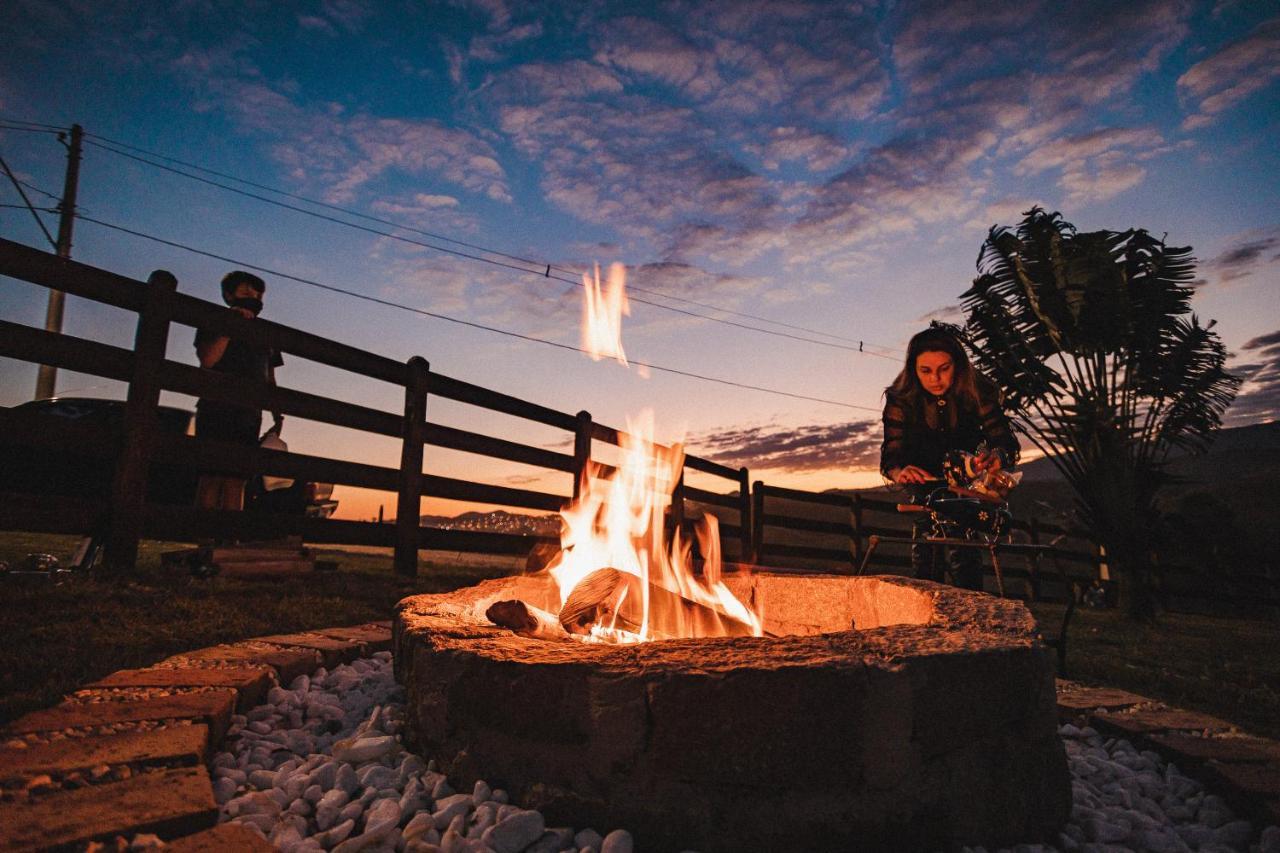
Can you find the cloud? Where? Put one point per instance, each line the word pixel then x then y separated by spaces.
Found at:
pixel 1095 166
pixel 1259 397
pixel 337 17
pixel 1247 253
pixel 321 144
pixel 1242 68
pixel 817 447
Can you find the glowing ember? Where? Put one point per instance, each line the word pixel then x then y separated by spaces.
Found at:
pixel 602 313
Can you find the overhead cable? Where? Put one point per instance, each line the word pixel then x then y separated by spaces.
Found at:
pixel 457 320
pixel 539 268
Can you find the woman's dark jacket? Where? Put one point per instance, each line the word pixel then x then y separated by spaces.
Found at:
pixel 913 435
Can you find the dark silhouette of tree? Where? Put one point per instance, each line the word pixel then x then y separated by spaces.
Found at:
pixel 1104 369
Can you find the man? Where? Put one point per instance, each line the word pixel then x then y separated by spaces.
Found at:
pixel 228 422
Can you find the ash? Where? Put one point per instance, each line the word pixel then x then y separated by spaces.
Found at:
pixel 320 766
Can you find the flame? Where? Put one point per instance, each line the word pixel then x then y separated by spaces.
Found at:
pixel 618 522
pixel 602 314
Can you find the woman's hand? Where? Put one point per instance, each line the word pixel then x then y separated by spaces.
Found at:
pixel 987 459
pixel 911 474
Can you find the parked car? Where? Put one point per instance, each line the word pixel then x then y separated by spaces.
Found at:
pixel 25 470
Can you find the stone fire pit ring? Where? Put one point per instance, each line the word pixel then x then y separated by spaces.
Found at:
pixel 887 713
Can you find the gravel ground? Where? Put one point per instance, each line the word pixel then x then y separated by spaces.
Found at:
pixel 320 767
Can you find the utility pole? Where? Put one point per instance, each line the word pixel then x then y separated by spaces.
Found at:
pixel 47 379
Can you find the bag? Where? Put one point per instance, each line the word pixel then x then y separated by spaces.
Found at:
pixel 273 441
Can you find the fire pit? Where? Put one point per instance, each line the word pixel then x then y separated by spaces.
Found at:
pixel 876 713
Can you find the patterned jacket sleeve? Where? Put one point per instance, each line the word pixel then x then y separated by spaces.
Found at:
pixel 895 432
pixel 995 426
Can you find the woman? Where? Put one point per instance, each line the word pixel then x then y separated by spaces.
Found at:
pixel 940 403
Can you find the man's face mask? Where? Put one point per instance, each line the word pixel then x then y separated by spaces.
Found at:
pixel 253 303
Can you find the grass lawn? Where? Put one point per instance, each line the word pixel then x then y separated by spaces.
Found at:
pixel 53 639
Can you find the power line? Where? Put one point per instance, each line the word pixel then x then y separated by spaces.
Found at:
pixel 538 268
pixel 37 124
pixel 18 186
pixel 469 323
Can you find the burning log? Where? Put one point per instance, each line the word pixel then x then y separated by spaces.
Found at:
pixel 525 619
pixel 615 599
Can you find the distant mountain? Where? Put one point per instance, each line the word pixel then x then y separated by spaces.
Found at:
pixel 498 521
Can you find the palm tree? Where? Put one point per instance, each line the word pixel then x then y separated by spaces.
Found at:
pixel 1103 367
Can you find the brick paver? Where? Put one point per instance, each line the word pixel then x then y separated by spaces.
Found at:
pixel 288 663
pixel 211 707
pixel 1139 723
pixel 187 745
pixel 223 838
pixel 375 635
pixel 1188 751
pixel 250 682
pixel 169 803
pixel 333 650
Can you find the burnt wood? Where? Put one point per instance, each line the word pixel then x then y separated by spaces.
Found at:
pixel 526 620
pixel 614 598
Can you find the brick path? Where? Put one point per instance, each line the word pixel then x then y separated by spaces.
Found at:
pixel 138 777
pixel 1242 769
pixel 167 790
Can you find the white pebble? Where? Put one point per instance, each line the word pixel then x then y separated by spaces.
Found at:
pixel 515 832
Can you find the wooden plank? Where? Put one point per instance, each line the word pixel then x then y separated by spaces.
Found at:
pixel 706 466
pixel 807 551
pixel 212 707
pixel 497 448
pixel 187 524
pixel 185 745
pixel 482 542
pixel 465 392
pixel 251 683
pixel 465 490
pixel 841 501
pixel 191 311
pixel 813 525
pixel 224 387
pixel 168 803
pixel 692 493
pixel 42 268
pixel 205 454
pixel 64 351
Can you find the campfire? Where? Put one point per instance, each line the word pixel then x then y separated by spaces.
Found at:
pixel 621 578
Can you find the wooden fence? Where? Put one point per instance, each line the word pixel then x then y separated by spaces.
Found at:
pixel 747 515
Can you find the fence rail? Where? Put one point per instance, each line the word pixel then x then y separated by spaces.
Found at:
pixel 754 522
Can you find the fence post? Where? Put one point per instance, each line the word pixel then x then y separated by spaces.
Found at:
pixel 581 453
pixel 757 521
pixel 855 523
pixel 677 505
pixel 744 514
pixel 129 486
pixel 409 498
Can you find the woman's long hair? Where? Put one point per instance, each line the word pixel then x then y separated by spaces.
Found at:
pixel 907 391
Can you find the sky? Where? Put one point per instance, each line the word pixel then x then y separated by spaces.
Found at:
pixel 817 177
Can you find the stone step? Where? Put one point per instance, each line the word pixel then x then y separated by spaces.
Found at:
pixel 375 635
pixel 288 663
pixel 333 651
pixel 1075 700
pixel 169 803
pixel 251 683
pixel 265 568
pixel 223 838
pixel 213 708
pixel 1189 752
pixel 186 745
pixel 1134 725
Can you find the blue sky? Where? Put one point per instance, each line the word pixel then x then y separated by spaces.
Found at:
pixel 831 166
